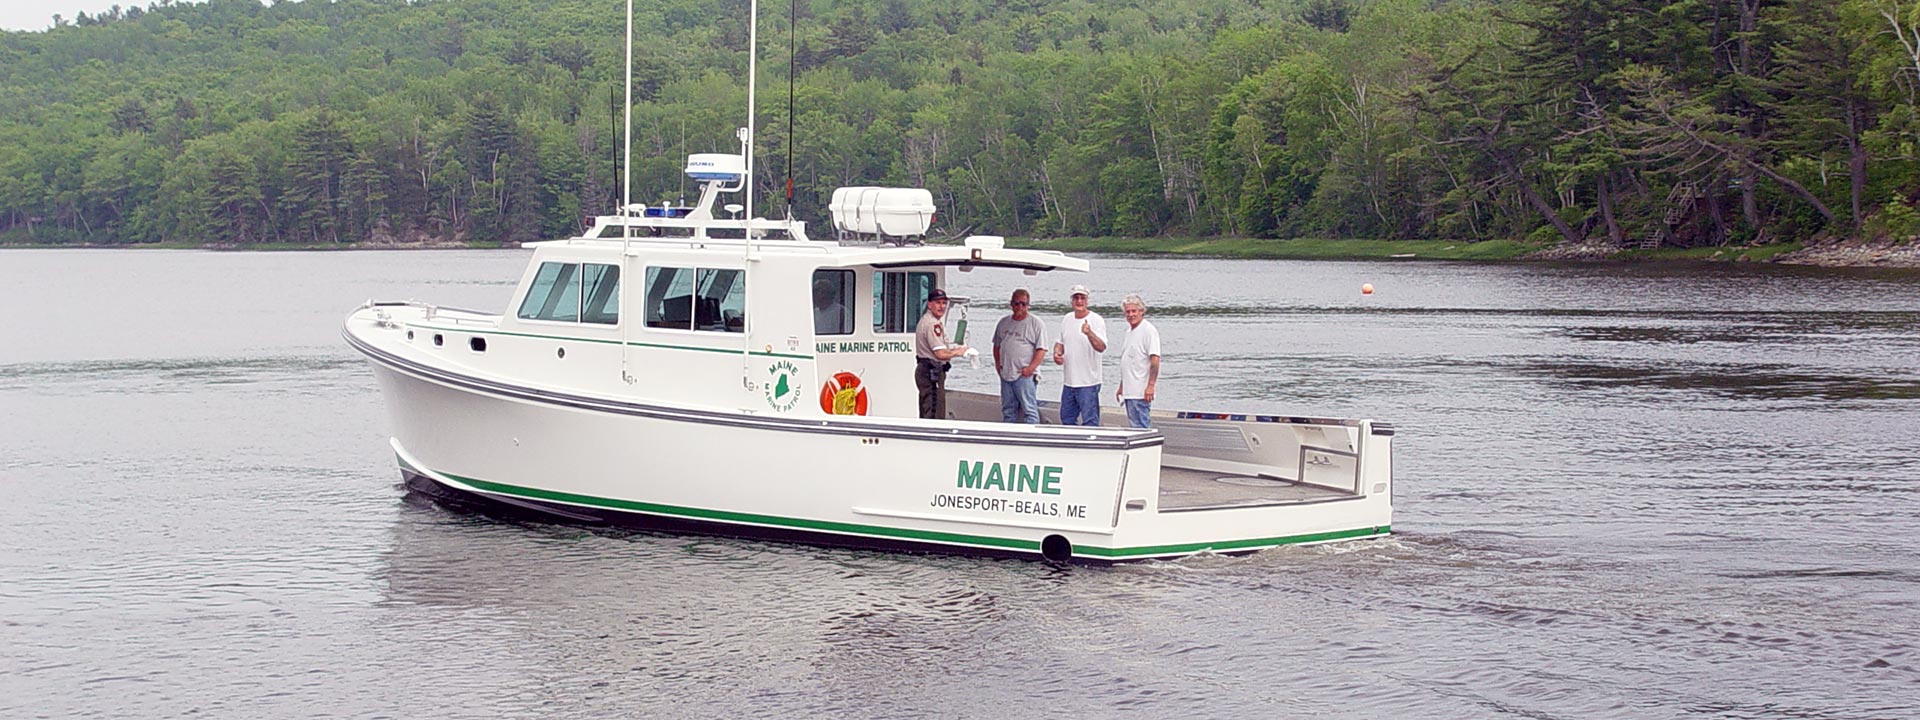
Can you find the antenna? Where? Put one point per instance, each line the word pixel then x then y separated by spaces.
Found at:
pixel 753 68
pixel 793 54
pixel 746 142
pixel 626 195
pixel 613 133
pixel 626 149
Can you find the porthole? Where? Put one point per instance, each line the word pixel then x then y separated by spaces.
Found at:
pixel 560 353
pixel 438 340
pixel 409 336
pixel 477 344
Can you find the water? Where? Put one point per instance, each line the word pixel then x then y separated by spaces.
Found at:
pixel 1622 492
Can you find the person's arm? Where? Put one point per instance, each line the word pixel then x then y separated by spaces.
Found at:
pixel 1034 367
pixel 950 352
pixel 1153 375
pixel 1059 354
pixel 996 354
pixel 1097 339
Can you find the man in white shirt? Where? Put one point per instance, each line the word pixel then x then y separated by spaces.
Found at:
pixel 1083 337
pixel 1139 363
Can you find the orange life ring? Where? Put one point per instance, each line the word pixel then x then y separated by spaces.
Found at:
pixel 842 395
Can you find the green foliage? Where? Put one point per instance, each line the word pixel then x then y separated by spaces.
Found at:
pixel 1897 221
pixel 489 121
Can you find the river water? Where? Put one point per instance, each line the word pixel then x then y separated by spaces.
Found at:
pixel 1622 491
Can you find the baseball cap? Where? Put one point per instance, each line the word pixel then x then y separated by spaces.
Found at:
pixel 937 294
pixel 1079 290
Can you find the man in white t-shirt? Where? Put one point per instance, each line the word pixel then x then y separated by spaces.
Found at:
pixel 1139 363
pixel 1083 337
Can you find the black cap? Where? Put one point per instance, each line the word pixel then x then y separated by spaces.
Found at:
pixel 937 294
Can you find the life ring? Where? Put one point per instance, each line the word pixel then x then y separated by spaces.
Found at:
pixel 842 395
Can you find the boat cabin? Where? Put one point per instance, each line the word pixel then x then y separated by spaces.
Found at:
pixel 787 326
pixel 676 305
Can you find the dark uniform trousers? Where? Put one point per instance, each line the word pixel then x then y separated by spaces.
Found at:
pixel 931 377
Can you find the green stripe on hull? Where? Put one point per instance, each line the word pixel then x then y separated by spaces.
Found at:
pixel 1231 545
pixel 1247 545
pixel 740 517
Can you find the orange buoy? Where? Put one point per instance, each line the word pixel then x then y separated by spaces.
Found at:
pixel 1366 288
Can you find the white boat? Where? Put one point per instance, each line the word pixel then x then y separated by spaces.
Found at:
pixel 743 391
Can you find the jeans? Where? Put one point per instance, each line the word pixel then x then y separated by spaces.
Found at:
pixel 1020 400
pixel 1137 412
pixel 1080 406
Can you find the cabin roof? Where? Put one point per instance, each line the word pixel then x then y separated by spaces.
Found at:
pixel 837 255
pixel 1038 260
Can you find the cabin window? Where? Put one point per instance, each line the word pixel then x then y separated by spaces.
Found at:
pixel 898 300
pixel 832 302
pixel 574 292
pixel 723 301
pixel 696 299
pixel 670 298
pixel 555 294
pixel 600 294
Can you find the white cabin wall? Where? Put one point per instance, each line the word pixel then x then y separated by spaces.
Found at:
pixel 886 371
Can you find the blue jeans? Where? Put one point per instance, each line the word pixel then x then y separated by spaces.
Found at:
pixel 1137 413
pixel 1080 405
pixel 1020 400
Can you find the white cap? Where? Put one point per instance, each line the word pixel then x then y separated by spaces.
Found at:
pixel 1080 290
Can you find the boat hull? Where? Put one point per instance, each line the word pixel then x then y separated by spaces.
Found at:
pixel 1072 495
pixel 457 498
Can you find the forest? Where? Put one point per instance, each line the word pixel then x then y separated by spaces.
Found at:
pixel 1613 122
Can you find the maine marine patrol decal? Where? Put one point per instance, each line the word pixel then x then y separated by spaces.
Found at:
pixel 783 389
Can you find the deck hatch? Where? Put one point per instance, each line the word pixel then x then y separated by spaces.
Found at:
pixel 1219 438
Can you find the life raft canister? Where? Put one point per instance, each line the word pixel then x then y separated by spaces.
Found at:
pixel 842 395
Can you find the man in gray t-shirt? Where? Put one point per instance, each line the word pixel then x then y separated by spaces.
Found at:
pixel 1017 350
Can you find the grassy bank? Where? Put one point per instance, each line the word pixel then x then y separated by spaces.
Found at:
pixel 1760 253
pixel 1329 249
pixel 1298 249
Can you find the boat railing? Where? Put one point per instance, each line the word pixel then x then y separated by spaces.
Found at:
pixel 1285 419
pixel 434 312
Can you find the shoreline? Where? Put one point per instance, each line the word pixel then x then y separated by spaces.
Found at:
pixel 1860 254
pixel 1855 254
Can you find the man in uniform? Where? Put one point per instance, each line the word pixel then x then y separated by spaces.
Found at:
pixel 930 355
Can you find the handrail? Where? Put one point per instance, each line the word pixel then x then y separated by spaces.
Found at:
pixel 433 311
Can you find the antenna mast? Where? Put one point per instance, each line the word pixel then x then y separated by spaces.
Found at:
pixel 626 193
pixel 746 143
pixel 793 65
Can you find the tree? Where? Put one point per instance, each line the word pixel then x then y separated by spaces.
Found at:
pixel 1689 135
pixel 316 171
pixel 1820 90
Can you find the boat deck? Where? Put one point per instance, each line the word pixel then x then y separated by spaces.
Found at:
pixel 1183 489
